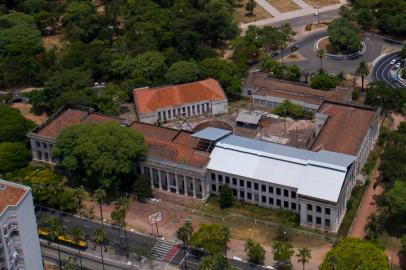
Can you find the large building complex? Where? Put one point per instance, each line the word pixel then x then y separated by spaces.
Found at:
pixel 19 242
pixel 270 93
pixel 166 103
pixel 315 183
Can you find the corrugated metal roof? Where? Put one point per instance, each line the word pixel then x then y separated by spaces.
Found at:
pixel 314 174
pixel 211 134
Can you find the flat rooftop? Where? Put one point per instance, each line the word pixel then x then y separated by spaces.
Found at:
pixel 345 128
pixel 11 194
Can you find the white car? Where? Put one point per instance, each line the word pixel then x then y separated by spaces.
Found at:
pixel 316 13
pixel 397 65
pixel 393 62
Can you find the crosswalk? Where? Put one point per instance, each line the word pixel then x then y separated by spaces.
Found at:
pixel 164 251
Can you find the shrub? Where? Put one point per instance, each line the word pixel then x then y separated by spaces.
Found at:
pixel 355 95
pixel 324 82
pixel 226 197
pixel 289 109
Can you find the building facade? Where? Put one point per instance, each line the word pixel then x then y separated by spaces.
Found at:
pixel 19 242
pixel 168 103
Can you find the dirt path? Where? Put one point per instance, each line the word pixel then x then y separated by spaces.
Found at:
pixel 368 206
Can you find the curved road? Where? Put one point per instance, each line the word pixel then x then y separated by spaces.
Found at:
pixel 382 68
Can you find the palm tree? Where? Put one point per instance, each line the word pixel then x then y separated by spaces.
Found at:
pixel 303 256
pixel 184 233
pixel 332 261
pixel 100 195
pixel 77 234
pixel 119 215
pixel 99 237
pixel 54 228
pixel 321 53
pixel 362 71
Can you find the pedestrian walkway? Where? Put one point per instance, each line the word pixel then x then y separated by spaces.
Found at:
pixel 303 4
pixel 164 251
pixel 273 11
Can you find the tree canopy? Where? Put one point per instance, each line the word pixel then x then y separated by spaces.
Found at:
pixel 289 109
pixel 255 252
pixel 213 238
pixel 13 126
pixel 324 82
pixel 13 155
pixel 344 36
pixel 352 254
pixel 99 154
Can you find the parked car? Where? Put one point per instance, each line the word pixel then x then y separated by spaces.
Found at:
pixel 294 48
pixel 274 53
pixel 393 62
pixel 397 65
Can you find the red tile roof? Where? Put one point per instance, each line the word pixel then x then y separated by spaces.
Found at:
pixel 345 128
pixel 172 145
pixel 10 195
pixel 69 117
pixel 150 99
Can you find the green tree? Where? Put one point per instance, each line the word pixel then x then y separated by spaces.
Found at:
pixel 213 238
pixel 321 53
pixel 293 73
pixel 226 197
pixel 183 72
pixel 303 256
pixel 282 252
pixel 99 238
pixel 142 188
pixel 13 126
pixel 110 99
pixel 99 196
pixel 344 36
pixel 13 155
pixel 183 234
pixel 255 252
pixel 272 67
pixel 250 6
pixel 354 254
pixel 362 71
pixel 77 235
pixel 383 95
pixel 394 202
pixel 214 262
pixel 101 154
pixel 323 82
pixel 288 109
pixel 403 245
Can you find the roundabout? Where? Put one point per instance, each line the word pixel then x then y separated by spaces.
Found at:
pixel 332 53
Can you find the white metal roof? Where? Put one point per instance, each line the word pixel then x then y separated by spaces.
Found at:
pixel 250 117
pixel 314 174
pixel 211 133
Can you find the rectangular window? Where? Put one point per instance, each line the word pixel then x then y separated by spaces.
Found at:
pixel 39 155
pixel 286 193
pixel 318 209
pixel 293 195
pixel 318 220
pixel 327 211
pixel 256 186
pixel 227 180
pixel 220 177
pixel 310 218
pixel 213 176
pixel 327 222
pixel 309 207
pixel 234 192
pixel 286 204
pixel 278 202
pixel 293 206
pixel 234 181
pixel 159 115
pixel 38 144
pixel 241 183
pixel 278 191
pixel 45 145
pixel 263 199
pixel 263 188
pixel 213 188
pixel 270 200
pixel 169 114
pixel 248 184
pixel 242 195
pixel 270 189
pixel 249 197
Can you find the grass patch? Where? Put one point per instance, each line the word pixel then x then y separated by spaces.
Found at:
pixel 242 15
pixel 249 210
pixel 352 207
pixel 321 3
pixel 284 5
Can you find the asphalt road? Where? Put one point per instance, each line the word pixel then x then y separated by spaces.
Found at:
pixel 304 20
pixel 383 67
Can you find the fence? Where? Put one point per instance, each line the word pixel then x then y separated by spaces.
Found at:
pixel 221 219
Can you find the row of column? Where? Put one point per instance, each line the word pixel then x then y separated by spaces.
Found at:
pixel 192 110
pixel 182 182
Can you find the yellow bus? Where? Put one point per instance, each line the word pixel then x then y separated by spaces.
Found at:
pixel 66 239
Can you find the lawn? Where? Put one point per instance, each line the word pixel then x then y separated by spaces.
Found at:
pixel 321 3
pixel 249 210
pixel 283 5
pixel 242 16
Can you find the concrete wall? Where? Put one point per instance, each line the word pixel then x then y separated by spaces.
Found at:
pixel 219 107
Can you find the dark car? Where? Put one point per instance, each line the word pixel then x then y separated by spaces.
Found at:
pixel 294 48
pixel 274 53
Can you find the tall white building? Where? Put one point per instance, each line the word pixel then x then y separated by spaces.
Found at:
pixel 19 242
